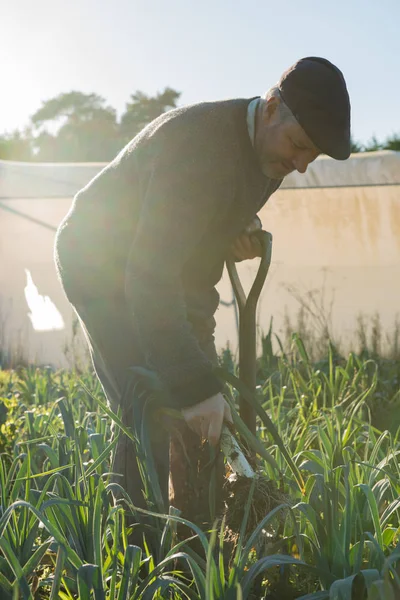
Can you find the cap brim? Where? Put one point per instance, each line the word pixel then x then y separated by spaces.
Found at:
pixel 335 144
pixel 339 152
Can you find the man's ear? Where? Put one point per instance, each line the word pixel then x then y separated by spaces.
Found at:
pixel 270 109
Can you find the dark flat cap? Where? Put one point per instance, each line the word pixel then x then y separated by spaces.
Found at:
pixel 316 93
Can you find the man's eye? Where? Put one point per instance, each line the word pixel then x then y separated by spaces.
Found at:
pixel 299 146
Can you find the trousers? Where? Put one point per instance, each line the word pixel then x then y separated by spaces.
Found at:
pixel 182 462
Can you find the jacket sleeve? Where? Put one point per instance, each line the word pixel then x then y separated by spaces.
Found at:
pixel 184 196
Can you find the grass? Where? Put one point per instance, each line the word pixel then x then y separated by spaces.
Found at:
pixel 328 436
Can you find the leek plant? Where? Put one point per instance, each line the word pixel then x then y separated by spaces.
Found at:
pixel 332 533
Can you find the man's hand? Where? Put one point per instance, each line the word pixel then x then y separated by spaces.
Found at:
pixel 206 418
pixel 246 245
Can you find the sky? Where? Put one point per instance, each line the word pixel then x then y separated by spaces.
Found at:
pixel 207 50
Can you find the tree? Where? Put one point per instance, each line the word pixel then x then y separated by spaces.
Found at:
pixel 392 142
pixel 372 145
pixel 16 146
pixel 142 109
pixel 80 127
pixel 75 127
pixel 355 146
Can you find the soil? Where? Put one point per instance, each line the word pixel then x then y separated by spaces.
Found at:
pixel 266 497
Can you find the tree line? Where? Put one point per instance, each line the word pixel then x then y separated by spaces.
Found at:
pixel 78 127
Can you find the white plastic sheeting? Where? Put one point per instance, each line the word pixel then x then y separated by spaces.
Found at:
pixel 336 246
pixel 44 180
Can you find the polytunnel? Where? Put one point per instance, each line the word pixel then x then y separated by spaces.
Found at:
pixel 336 254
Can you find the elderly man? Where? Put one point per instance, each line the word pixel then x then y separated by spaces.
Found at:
pixel 144 243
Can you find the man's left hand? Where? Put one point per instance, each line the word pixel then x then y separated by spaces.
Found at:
pixel 247 245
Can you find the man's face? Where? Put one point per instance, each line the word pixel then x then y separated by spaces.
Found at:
pixel 282 147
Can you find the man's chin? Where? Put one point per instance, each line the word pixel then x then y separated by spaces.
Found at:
pixel 275 171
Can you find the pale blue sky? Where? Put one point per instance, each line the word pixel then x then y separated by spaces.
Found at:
pixel 207 49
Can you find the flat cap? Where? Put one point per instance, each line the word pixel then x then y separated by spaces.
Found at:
pixel 315 91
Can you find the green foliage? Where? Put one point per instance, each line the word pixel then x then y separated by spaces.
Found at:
pixel 87 130
pixel 372 145
pixel 16 146
pixel 142 109
pixel 74 105
pixel 368 373
pixel 393 142
pixel 78 127
pixel 355 146
pixel 64 535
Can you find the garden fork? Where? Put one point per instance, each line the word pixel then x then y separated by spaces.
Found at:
pixel 247 324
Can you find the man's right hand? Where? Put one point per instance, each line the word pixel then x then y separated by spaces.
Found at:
pixel 206 417
pixel 247 245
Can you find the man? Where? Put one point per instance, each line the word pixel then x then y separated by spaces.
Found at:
pixel 144 244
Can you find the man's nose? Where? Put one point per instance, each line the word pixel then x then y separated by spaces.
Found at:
pixel 301 164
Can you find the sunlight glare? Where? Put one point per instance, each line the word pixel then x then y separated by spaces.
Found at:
pixel 43 313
